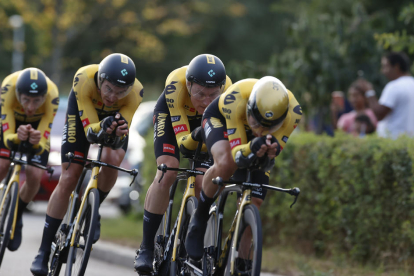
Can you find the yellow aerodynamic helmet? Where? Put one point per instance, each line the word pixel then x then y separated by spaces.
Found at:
pixel 268 104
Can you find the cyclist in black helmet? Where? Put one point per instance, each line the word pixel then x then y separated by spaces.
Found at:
pixel 103 100
pixel 177 124
pixel 29 103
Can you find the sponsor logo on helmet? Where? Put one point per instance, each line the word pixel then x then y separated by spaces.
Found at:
pixel 211 73
pixel 33 74
pixel 269 114
pixel 180 128
pixel 210 59
pixel 124 59
pixel 121 81
pixel 210 81
pixel 55 101
pixel 168 148
pixel 298 109
pixel 124 72
pixel 33 86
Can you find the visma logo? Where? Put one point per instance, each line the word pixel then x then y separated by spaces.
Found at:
pixel 124 72
pixel 34 86
pixel 211 73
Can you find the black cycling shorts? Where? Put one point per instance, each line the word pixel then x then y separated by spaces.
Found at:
pixel 214 130
pixel 165 142
pixel 39 159
pixel 73 136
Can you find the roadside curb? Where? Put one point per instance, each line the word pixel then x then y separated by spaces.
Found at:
pixel 114 254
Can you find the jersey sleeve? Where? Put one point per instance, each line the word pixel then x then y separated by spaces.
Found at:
pixel 83 87
pixel 45 125
pixel 232 106
pixel 8 98
pixel 132 102
pixel 291 122
pixel 175 96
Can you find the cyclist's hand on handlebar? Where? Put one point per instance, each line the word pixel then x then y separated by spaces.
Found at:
pixel 196 134
pixel 23 132
pixel 34 137
pixel 273 146
pixel 258 146
pixel 122 128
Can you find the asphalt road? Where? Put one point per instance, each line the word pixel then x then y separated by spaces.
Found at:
pixel 18 263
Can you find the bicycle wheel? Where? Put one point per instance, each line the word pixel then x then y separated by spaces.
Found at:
pixel 6 217
pixel 78 255
pixel 249 260
pixel 181 254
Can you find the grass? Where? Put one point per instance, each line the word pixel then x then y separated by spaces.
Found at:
pixel 127 231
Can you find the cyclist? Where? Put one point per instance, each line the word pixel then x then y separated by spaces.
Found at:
pixel 103 100
pixel 177 120
pixel 252 118
pixel 29 103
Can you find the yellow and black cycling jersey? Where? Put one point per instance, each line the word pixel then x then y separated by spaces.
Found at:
pixel 12 111
pixel 90 104
pixel 180 106
pixel 232 105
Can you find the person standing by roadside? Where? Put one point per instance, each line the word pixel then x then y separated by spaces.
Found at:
pixel 395 108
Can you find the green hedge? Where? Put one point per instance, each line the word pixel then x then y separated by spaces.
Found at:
pixel 356 197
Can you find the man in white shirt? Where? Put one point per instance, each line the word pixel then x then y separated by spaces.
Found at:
pixel 395 108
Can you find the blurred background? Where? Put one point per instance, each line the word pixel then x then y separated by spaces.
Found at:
pixel 315 47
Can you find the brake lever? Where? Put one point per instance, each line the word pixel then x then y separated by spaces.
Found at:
pixel 162 168
pixel 134 173
pixel 295 192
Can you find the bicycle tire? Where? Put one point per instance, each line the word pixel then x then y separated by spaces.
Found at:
pixel 250 217
pixel 175 267
pixel 6 218
pixel 88 222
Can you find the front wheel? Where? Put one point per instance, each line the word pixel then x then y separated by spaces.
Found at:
pixel 248 246
pixel 7 216
pixel 181 253
pixel 78 255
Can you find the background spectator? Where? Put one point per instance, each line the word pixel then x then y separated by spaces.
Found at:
pixel 395 108
pixel 362 125
pixel 359 103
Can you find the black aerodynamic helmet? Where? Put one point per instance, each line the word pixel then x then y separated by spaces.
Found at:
pixel 118 69
pixel 31 82
pixel 206 70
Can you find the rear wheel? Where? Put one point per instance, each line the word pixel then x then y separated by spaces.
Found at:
pixel 78 255
pixel 7 216
pixel 181 255
pixel 249 250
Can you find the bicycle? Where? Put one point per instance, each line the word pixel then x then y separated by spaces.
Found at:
pixel 73 241
pixel 169 244
pixel 9 194
pixel 218 260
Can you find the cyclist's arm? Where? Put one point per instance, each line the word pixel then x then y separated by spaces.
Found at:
pixel 84 87
pixel 176 101
pixel 45 125
pixel 8 98
pixel 291 121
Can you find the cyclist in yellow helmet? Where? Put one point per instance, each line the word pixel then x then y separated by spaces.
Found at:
pixel 252 120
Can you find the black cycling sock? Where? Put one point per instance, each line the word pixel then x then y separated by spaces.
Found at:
pixel 204 205
pixel 151 224
pixel 21 208
pixel 49 232
pixel 102 196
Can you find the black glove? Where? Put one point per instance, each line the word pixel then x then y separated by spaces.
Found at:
pixel 257 143
pixel 107 122
pixel 196 134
